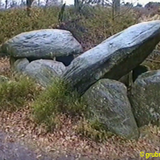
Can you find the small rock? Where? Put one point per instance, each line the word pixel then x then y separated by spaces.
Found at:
pixel 44 71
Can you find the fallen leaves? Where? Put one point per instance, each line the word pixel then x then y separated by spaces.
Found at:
pixel 65 141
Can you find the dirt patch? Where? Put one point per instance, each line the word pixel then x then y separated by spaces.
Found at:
pixel 12 149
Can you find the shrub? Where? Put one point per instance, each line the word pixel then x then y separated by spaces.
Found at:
pixel 40 19
pixel 95 24
pixel 17 92
pixel 57 99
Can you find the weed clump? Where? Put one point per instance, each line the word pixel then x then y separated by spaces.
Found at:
pixel 57 99
pixel 91 129
pixel 17 92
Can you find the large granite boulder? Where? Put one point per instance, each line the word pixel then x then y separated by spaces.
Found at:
pixel 114 57
pixel 144 98
pixel 109 104
pixel 45 43
pixel 44 71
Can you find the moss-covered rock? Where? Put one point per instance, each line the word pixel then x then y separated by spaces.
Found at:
pixel 109 104
pixel 144 98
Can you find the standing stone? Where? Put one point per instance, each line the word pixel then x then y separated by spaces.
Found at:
pixel 109 104
pixel 144 98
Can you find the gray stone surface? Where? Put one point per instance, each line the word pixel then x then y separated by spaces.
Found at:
pixel 20 64
pixel 44 71
pixel 109 104
pixel 114 57
pixel 145 99
pixel 127 79
pixel 45 43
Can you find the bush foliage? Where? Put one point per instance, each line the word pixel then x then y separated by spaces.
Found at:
pixel 57 99
pixel 17 92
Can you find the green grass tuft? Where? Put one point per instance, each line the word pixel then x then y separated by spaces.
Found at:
pixel 57 99
pixel 16 92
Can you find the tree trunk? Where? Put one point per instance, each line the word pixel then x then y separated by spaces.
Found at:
pixel 6 4
pixel 29 3
pixel 116 6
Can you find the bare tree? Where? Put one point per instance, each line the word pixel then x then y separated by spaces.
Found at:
pixel 29 3
pixel 76 3
pixel 0 3
pixel 116 6
pixel 6 4
pixel 46 2
pixel 22 2
pixel 39 2
pixel 53 3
